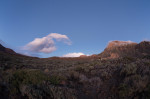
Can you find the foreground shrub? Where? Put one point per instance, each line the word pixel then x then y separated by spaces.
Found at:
pixel 54 79
pixel 29 77
pixel 79 69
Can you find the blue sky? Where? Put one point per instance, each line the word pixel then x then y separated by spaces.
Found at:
pixel 89 24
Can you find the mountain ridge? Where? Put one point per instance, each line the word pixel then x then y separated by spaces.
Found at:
pixel 114 49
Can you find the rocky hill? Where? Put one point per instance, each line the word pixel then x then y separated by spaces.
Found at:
pixel 117 49
pixel 121 71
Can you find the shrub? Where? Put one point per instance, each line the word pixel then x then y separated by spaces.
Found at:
pixel 79 69
pixel 147 93
pixel 128 59
pixel 29 77
pixel 147 63
pixel 54 79
pixel 93 72
pixel 147 56
pixel 105 75
pixel 123 90
pixel 128 69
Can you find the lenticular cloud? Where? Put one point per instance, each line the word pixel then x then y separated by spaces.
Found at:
pixel 46 44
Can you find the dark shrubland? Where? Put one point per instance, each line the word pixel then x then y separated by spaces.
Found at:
pixel 126 76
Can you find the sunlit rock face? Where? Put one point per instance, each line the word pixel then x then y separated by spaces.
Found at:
pixel 113 44
pixel 83 56
pixel 116 49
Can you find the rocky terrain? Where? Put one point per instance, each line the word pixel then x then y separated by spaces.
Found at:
pixel 121 71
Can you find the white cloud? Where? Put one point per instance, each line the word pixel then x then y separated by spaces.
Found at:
pixel 73 54
pixel 46 44
pixel 60 37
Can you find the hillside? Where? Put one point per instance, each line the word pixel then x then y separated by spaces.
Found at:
pixel 121 71
pixel 6 50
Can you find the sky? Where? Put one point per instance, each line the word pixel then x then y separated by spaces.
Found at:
pixel 47 28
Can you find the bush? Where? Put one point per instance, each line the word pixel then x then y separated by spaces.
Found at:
pixel 123 90
pixel 54 80
pixel 29 77
pixel 105 75
pixel 79 69
pixel 147 56
pixel 129 69
pixel 147 93
pixel 128 59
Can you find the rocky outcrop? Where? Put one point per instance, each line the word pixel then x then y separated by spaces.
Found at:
pixel 83 56
pixel 116 49
pixel 143 47
pixel 114 44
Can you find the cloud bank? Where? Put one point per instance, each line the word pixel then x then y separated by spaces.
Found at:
pixel 73 54
pixel 46 44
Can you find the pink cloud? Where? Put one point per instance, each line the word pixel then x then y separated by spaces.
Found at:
pixel 73 54
pixel 46 44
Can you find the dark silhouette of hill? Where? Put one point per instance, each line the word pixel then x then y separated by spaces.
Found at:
pixel 6 50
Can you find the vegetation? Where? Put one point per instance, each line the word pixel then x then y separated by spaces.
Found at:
pixel 126 77
pixel 26 77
